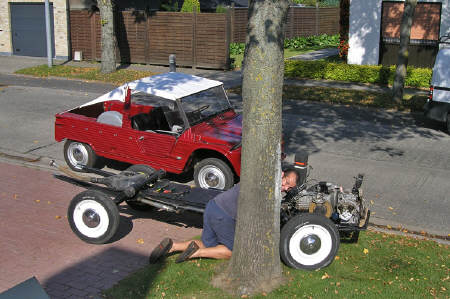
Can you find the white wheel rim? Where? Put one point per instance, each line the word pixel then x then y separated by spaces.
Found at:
pixel 317 241
pixel 211 177
pixel 77 154
pixel 99 220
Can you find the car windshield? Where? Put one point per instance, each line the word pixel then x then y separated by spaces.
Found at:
pixel 206 104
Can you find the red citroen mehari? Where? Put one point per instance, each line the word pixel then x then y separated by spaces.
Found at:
pixel 171 121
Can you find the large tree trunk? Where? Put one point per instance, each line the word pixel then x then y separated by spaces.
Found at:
pixel 108 36
pixel 402 60
pixel 255 263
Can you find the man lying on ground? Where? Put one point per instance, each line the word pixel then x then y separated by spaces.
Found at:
pixel 219 222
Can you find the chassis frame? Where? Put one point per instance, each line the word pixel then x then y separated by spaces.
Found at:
pixel 145 190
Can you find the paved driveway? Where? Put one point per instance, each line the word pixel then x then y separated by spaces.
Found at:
pixel 36 239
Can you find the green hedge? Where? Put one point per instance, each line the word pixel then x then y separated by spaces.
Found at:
pixel 416 77
pixel 190 5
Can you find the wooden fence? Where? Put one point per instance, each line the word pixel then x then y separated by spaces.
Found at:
pixel 197 40
pixel 302 21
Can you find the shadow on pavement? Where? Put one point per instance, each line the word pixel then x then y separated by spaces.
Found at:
pixel 87 278
pixel 319 123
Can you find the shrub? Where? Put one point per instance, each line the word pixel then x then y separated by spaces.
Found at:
pixel 416 77
pixel 237 48
pixel 314 41
pixel 190 5
pixel 169 5
pixel 221 9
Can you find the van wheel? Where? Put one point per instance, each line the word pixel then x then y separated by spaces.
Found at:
pixel 78 153
pixel 448 123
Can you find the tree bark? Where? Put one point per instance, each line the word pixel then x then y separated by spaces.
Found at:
pixel 255 263
pixel 106 8
pixel 402 60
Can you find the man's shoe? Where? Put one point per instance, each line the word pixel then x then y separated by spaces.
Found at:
pixel 161 250
pixel 192 247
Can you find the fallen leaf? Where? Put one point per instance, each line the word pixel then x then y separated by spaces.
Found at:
pixel 325 276
pixel 264 294
pixel 336 291
pixel 366 251
pixel 35 141
pixel 371 202
pixel 140 241
pixel 391 208
pixel 49 202
pixel 38 200
pixel 336 257
pixel 388 226
pixel 58 217
pixel 15 196
pixel 411 279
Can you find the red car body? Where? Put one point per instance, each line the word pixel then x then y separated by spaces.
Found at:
pixel 216 137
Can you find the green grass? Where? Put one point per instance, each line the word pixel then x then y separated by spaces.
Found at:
pixel 292 92
pixel 349 97
pixel 85 73
pixel 380 265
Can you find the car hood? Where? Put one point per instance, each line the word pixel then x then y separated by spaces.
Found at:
pixel 223 129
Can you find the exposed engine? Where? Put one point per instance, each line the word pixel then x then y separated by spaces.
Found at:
pixel 344 207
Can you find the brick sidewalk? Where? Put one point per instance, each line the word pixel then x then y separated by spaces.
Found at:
pixel 37 240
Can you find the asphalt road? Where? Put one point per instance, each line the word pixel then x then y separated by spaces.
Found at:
pixel 406 160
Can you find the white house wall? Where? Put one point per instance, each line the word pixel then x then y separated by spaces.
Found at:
pixel 365 26
pixel 60 13
pixel 364 32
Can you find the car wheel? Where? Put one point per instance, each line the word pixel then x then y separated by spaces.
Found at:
pixel 132 203
pixel 76 153
pixel 93 217
pixel 213 173
pixel 309 242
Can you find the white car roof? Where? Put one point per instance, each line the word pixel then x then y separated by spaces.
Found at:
pixel 441 70
pixel 170 86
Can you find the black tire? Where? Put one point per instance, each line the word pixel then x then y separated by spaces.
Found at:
pixel 80 153
pixel 93 217
pixel 132 203
pixel 309 242
pixel 213 173
pixel 448 123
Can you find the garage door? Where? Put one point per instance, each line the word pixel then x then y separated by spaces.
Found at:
pixel 423 45
pixel 28 29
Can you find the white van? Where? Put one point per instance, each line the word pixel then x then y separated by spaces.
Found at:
pixel 438 104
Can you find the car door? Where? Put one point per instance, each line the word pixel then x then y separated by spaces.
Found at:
pixel 155 145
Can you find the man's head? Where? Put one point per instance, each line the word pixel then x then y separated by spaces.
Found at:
pixel 289 179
